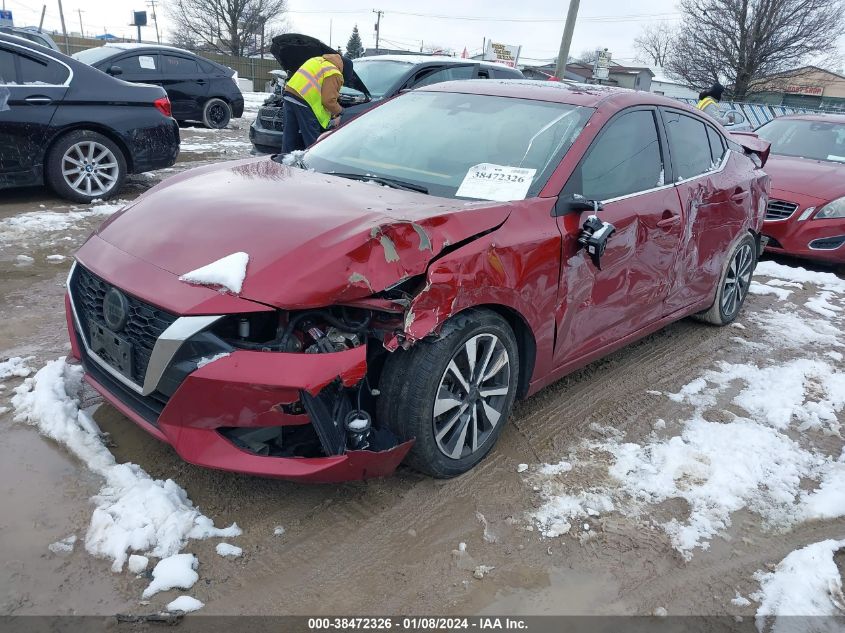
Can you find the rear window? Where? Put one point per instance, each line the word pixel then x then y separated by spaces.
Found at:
pixel 173 65
pixel 689 144
pixel 93 56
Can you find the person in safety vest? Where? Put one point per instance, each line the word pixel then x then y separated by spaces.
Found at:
pixel 310 104
pixel 708 102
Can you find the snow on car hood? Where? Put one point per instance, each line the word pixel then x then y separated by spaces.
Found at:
pixel 312 239
pixel 817 178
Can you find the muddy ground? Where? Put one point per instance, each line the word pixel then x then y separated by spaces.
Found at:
pixel 381 546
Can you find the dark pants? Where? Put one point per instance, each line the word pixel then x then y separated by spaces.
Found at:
pixel 301 127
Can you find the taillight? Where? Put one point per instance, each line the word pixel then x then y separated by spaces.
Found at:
pixel 163 106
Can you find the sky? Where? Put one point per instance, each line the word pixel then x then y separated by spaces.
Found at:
pixel 536 25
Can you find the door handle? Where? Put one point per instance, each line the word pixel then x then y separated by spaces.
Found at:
pixel 668 220
pixel 39 100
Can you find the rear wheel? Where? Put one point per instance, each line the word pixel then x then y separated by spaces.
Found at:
pixel 734 283
pixel 216 114
pixel 84 165
pixel 452 394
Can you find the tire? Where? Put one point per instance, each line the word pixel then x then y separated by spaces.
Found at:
pixel 84 165
pixel 216 114
pixel 413 380
pixel 733 284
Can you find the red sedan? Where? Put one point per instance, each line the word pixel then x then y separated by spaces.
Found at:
pixel 389 293
pixel 806 214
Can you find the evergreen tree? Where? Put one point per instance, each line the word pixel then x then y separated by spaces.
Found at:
pixel 354 47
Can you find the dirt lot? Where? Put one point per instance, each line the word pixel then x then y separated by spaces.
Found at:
pixel 392 546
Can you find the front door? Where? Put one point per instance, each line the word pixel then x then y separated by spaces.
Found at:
pixel 624 168
pixel 31 86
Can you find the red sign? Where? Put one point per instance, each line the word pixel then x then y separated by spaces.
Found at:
pixel 816 91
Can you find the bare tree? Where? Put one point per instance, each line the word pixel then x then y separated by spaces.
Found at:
pixel 233 27
pixel 587 56
pixel 739 41
pixel 654 43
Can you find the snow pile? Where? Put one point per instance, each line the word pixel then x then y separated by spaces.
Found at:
pixel 15 366
pixel 134 513
pixel 51 221
pixel 177 571
pixel 64 546
pixel 227 272
pixel 137 563
pixel 756 288
pixel 227 550
pixel 185 604
pixel 827 281
pixel 556 516
pixel 805 583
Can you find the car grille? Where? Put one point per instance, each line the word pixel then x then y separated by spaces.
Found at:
pixel 144 324
pixel 271 118
pixel 780 210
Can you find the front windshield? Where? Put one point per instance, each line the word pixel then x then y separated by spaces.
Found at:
pixel 433 139
pixel 93 55
pixel 819 140
pixel 380 76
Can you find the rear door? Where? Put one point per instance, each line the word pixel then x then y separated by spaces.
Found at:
pixel 139 67
pixel 186 85
pixel 713 185
pixel 31 87
pixel 625 168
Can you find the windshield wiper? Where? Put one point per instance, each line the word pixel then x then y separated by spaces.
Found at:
pixel 382 180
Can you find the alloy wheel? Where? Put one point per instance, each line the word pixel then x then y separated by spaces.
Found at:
pixel 217 114
pixel 737 280
pixel 471 396
pixel 90 168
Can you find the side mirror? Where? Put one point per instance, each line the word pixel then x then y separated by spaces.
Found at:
pixel 114 71
pixel 575 203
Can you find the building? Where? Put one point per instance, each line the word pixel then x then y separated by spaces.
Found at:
pixel 805 87
pixel 633 77
pixel 663 85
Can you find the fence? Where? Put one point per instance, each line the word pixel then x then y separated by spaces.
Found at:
pixel 255 69
pixel 759 113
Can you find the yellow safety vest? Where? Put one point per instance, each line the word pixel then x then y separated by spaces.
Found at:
pixel 308 84
pixel 706 101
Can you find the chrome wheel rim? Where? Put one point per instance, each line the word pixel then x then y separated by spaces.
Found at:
pixel 737 280
pixel 90 168
pixel 471 396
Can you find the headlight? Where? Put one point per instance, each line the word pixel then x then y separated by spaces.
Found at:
pixel 835 209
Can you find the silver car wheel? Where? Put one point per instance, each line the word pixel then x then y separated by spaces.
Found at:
pixel 472 396
pixel 90 168
pixel 737 280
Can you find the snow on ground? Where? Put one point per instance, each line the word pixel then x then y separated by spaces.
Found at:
pixel 176 571
pixel 227 272
pixel 763 455
pixel 805 583
pixel 64 546
pixel 231 551
pixel 15 366
pixel 186 604
pixel 220 145
pixel 25 224
pixel 133 512
pixel 137 563
pixel 252 102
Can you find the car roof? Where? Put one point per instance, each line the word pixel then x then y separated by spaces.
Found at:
pixel 23 41
pixel 588 95
pixel 821 116
pixel 428 59
pixel 133 46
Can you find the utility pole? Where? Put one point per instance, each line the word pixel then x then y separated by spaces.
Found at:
pixel 566 40
pixel 81 30
pixel 41 21
pixel 152 5
pixel 378 12
pixel 64 30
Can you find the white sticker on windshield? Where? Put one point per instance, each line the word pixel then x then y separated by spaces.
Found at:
pixel 496 182
pixel 841 159
pixel 145 61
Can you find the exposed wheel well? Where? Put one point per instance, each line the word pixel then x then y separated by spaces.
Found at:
pixel 524 340
pixel 94 127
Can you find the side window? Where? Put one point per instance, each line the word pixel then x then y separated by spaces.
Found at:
pixel 448 73
pixel 172 65
pixel 506 73
pixel 139 64
pixel 625 159
pixel 717 145
pixel 689 144
pixel 41 71
pixel 8 75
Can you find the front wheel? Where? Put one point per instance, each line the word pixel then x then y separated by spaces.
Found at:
pixel 453 394
pixel 733 284
pixel 216 114
pixel 84 165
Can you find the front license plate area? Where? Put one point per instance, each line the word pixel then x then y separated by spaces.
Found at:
pixel 113 349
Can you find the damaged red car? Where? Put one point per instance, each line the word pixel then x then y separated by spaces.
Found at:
pixel 389 293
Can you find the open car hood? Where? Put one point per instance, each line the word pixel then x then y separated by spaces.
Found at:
pixel 292 50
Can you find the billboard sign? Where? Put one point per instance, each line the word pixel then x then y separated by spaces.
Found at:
pixel 6 18
pixel 502 54
pixel 814 91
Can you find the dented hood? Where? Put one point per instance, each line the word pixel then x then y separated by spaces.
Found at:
pixel 312 239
